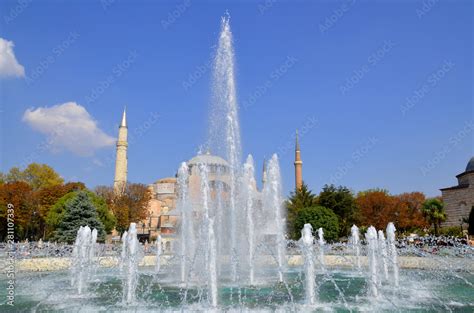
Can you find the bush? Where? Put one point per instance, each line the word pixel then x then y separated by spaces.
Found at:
pixel 453 231
pixel 319 216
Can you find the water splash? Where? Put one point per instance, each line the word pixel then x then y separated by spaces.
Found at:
pixel 355 242
pixel 249 189
pixel 382 251
pixel 307 243
pixel 131 256
pixel 82 258
pixel 392 252
pixel 371 237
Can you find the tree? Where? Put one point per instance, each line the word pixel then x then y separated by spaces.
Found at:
pixel 57 212
pixel 408 211
pixel 299 199
pixel 36 175
pixel 80 211
pixel 319 216
pixel 42 176
pixel 341 201
pixel 128 207
pixel 433 209
pixel 376 208
pixel 20 195
pixel 471 222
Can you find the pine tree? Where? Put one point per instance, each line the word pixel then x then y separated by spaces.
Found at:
pixel 299 199
pixel 79 212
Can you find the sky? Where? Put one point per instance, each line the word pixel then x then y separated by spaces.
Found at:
pixel 380 91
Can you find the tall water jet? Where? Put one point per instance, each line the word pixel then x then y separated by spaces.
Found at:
pixel 83 254
pixel 187 220
pixel 273 205
pixel 392 252
pixel 249 194
pixel 307 243
pixel 321 246
pixel 210 246
pixel 225 110
pixel 159 251
pixel 93 244
pixel 123 254
pixel 383 253
pixel 371 238
pixel 130 264
pixel 355 242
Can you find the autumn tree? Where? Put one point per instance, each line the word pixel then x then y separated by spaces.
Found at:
pixel 20 195
pixel 376 208
pixel 408 211
pixel 341 201
pixel 36 175
pixel 299 199
pixel 128 207
pixel 433 210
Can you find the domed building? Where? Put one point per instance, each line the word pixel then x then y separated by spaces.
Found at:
pixel 459 199
pixel 162 216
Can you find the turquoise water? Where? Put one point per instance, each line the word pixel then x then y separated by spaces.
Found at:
pixel 340 291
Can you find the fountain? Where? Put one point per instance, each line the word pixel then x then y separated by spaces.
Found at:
pixel 231 253
pixel 371 237
pixel 307 243
pixel 355 242
pixel 131 257
pixel 82 258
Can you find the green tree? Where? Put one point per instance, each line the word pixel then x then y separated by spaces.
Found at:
pixel 36 175
pixel 42 176
pixel 80 211
pixel 342 202
pixel 471 222
pixel 433 210
pixel 319 216
pixel 299 199
pixel 58 210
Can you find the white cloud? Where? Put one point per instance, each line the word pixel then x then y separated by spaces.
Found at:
pixel 9 66
pixel 70 127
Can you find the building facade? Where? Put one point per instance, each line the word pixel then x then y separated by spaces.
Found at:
pixel 459 199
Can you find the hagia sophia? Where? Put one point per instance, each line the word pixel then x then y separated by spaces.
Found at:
pixel 163 220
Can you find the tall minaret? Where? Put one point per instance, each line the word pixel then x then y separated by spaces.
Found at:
pixel 298 165
pixel 121 160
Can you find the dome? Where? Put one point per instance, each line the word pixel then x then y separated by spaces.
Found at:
pixel 207 159
pixel 470 165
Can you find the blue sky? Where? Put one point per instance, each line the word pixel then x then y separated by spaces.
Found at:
pixel 380 90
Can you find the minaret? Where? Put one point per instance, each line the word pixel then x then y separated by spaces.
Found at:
pixel 121 160
pixel 298 165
